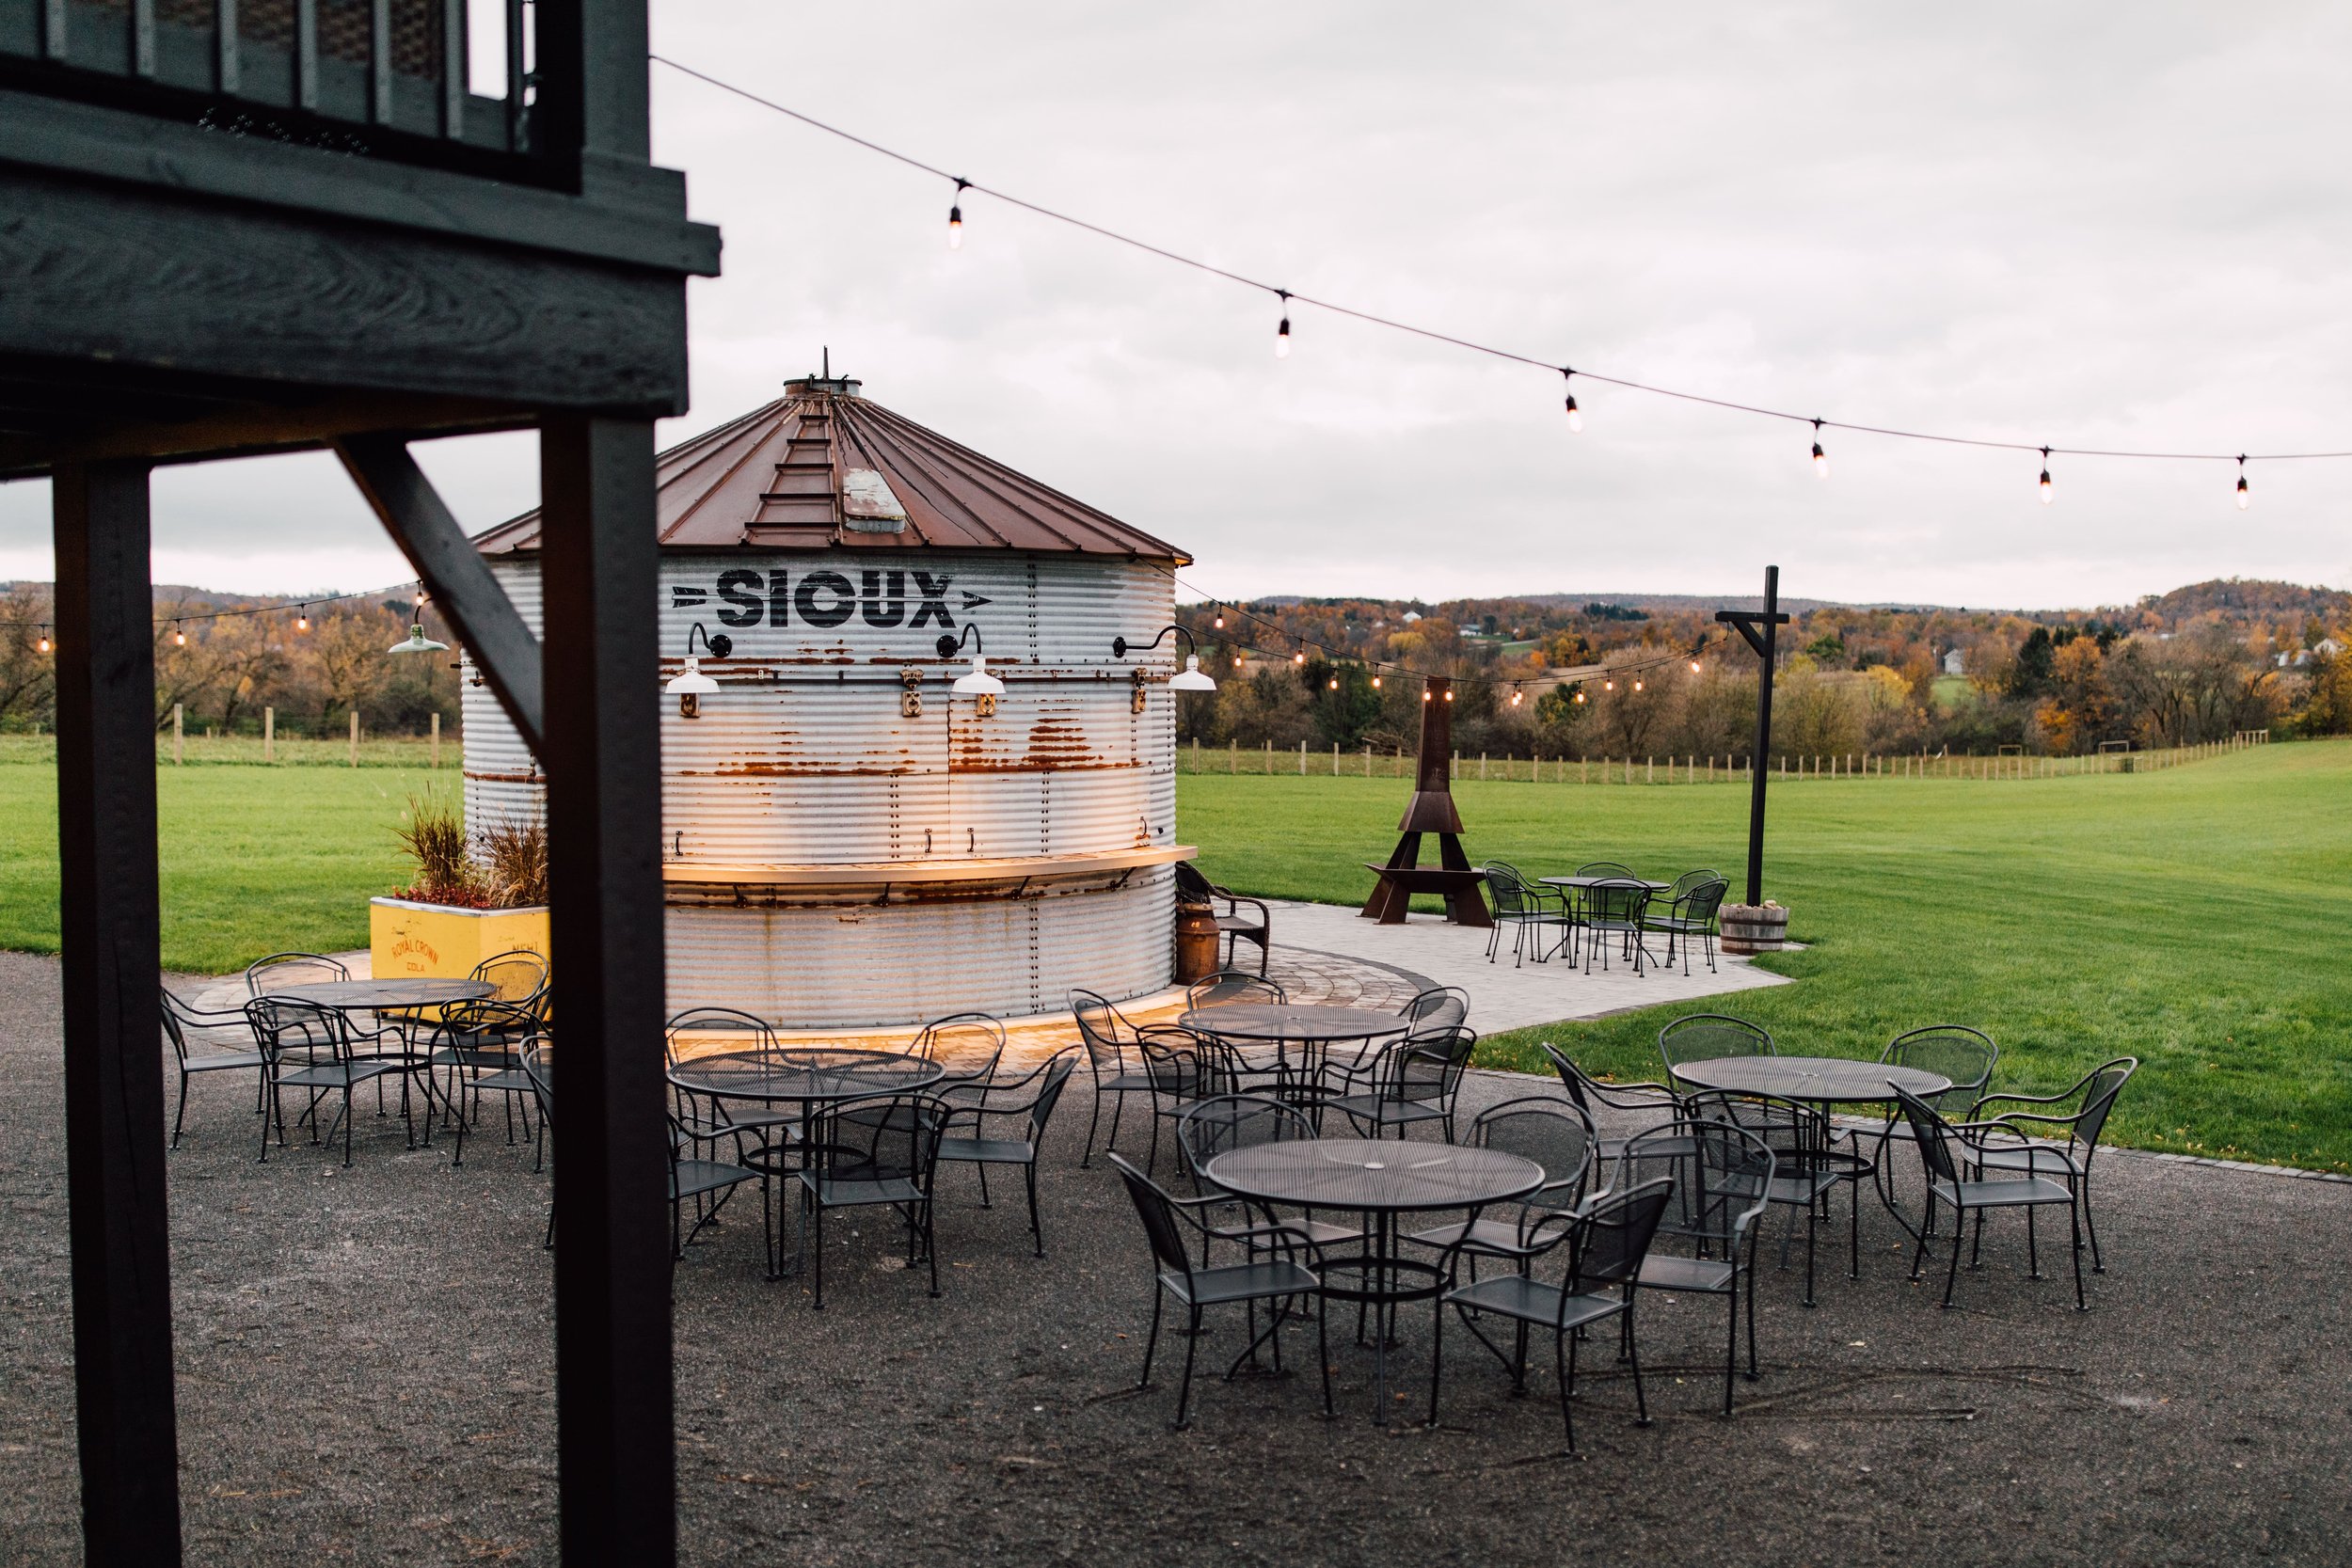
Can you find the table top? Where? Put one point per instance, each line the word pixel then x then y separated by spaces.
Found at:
pixel 805 1073
pixel 1818 1080
pixel 1589 881
pixel 1256 1020
pixel 1367 1174
pixel 415 990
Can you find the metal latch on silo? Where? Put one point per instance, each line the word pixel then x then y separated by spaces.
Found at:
pixel 911 697
pixel 1135 703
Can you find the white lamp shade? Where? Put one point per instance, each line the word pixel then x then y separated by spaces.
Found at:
pixel 979 683
pixel 417 642
pixel 692 683
pixel 1191 680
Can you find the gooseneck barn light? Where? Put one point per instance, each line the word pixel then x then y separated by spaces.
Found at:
pixel 977 681
pixel 690 686
pixel 1191 677
pixel 416 642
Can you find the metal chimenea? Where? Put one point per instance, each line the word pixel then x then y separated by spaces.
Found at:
pixel 266 226
pixel 1431 811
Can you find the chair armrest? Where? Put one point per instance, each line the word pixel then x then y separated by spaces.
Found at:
pixel 1235 900
pixel 1982 1100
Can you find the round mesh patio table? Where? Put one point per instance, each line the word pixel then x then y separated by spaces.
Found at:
pixel 417 991
pixel 1810 1080
pixel 1304 1030
pixel 1379 1179
pixel 810 1075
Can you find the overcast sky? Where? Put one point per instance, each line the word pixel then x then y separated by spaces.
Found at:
pixel 2090 225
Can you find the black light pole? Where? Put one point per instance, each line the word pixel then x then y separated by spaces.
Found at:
pixel 1766 641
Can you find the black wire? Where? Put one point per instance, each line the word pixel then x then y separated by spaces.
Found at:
pixel 1431 334
pixel 300 606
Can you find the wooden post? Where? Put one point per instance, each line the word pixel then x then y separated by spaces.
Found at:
pixel 617 1460
pixel 436 738
pixel 269 735
pixel 1335 760
pixel 109 928
pixel 179 740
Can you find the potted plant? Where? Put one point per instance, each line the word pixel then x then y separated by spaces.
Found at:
pixel 471 896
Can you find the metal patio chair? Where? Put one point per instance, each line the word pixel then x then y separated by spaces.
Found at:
pixel 205 1042
pixel 1275 1275
pixel 1108 1039
pixel 1705 1037
pixel 1947 1150
pixel 891 1162
pixel 1612 915
pixel 1232 924
pixel 1953 1050
pixel 1722 1175
pixel 970 1045
pixel 1605 1242
pixel 1591 1096
pixel 1181 1066
pixel 2092 1097
pixel 1211 1126
pixel 1414 1080
pixel 479 1045
pixel 308 1049
pixel 1555 1135
pixel 980 1150
pixel 1526 906
pixel 1807 1168
pixel 539 1071
pixel 711 1119
pixel 1690 917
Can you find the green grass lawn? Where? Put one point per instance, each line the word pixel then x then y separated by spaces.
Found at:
pixel 2194 918
pixel 255 860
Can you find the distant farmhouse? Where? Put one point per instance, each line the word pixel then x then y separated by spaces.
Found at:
pixel 1954 664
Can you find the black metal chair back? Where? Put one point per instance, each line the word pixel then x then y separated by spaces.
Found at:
pixel 1612 1236
pixel 1223 1122
pixel 1932 1133
pixel 291 969
pixel 1508 891
pixel 520 975
pixel 1691 880
pixel 179 1018
pixel 1231 985
pixel 1553 1133
pixel 1953 1050
pixel 1616 905
pixel 2099 1090
pixel 1049 1094
pixel 758 1034
pixel 1429 1068
pixel 1603 868
pixel 1722 1172
pixel 1105 1033
pixel 1697 905
pixel 1705 1037
pixel 1180 1063
pixel 287 1030
pixel 1438 1010
pixel 1157 1211
pixel 968 1044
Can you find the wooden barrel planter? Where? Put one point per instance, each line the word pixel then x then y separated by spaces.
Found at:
pixel 1754 928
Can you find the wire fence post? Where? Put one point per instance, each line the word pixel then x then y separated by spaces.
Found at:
pixel 437 737
pixel 269 735
pixel 178 756
pixel 354 737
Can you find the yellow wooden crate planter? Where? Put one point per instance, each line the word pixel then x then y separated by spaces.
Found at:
pixel 408 937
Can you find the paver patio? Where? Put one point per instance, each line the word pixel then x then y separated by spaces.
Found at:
pixel 365 1375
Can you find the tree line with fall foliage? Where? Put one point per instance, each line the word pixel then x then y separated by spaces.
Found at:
pixel 225 669
pixel 2199 664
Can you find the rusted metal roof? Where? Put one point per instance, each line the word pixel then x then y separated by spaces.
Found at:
pixel 821 466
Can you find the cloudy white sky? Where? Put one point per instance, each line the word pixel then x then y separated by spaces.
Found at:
pixel 2088 225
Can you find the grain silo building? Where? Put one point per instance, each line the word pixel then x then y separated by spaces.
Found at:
pixel 849 839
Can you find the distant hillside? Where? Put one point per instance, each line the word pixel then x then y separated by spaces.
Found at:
pixel 2250 596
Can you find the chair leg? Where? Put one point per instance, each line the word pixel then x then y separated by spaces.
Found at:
pixel 816 1269
pixel 1564 1367
pixel 2033 1252
pixel 182 1112
pixel 1183 1391
pixel 2075 1218
pixel 1152 1344
pixel 1036 1231
pixel 1086 1160
pixel 1323 1354
pixel 1436 1355
pixel 1960 1224
pixel 1633 1353
pixel 931 1239
pixel 1731 1341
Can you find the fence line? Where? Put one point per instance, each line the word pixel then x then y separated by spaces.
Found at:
pixel 1192 757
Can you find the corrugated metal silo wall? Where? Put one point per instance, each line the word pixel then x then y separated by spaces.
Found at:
pixel 805 758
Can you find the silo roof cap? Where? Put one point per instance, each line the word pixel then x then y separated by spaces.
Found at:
pixel 823 466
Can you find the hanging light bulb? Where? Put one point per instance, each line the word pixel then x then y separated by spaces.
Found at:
pixel 1300 658
pixel 1637 685
pixel 2244 498
pixel 2046 491
pixel 1515 696
pixel 1449 693
pixel 43 644
pixel 1282 332
pixel 1237 661
pixel 1821 458
pixel 1576 416
pixel 1220 619
pixel 1424 695
pixel 1375 683
pixel 1695 667
pixel 955 216
pixel 1333 684
pixel 1608 686
pixel 1579 696
pixel 302 622
pixel 179 637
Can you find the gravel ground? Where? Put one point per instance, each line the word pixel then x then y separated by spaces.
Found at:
pixel 365 1375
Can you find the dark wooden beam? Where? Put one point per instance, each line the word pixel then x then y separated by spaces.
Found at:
pixel 453 573
pixel 602 756
pixel 110 938
pixel 1762 632
pixel 279 299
